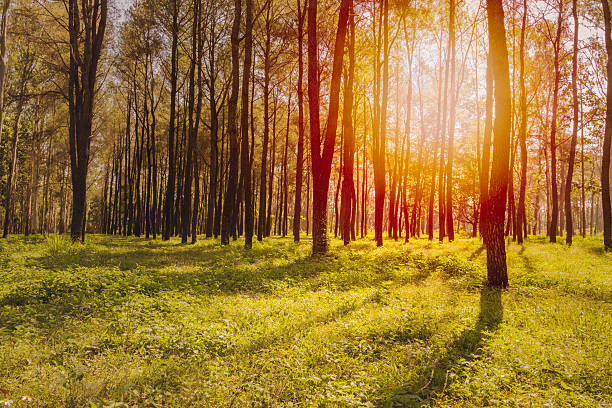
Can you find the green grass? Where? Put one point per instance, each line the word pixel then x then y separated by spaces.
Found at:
pixel 122 322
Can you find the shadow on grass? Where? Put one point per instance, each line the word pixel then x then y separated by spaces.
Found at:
pixel 96 279
pixel 126 253
pixel 476 253
pixel 526 261
pixel 433 382
pixel 597 250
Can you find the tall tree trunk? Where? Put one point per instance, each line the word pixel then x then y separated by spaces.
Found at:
pixel 261 223
pixel 229 205
pixel 272 168
pixel 522 132
pixel 213 182
pixel 437 135
pixel 321 160
pixel 8 195
pixel 441 173
pixel 338 185
pixel 582 189
pixel 381 124
pixel 297 210
pixel 348 184
pixel 569 224
pixel 496 203
pixel 450 229
pixel 3 59
pixel 285 172
pixel 607 144
pixel 415 217
pixel 553 132
pixel 192 135
pixel 245 161
pixel 221 178
pixel 90 23
pixel 171 182
pixel 364 210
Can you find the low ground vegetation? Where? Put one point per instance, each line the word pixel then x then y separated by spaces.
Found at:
pixel 122 322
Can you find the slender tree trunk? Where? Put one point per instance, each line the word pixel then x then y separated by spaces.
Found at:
pixel 569 226
pixel 364 210
pixel 441 175
pixel 171 182
pixel 297 210
pixel 3 59
pixel 8 195
pixel 450 229
pixel 229 205
pixel 245 161
pixel 379 161
pixel 437 135
pixel 607 143
pixel 486 149
pixel 417 186
pixel 321 160
pixel 192 135
pixel 522 132
pixel 582 189
pixel 261 223
pixel 221 178
pixel 285 173
pixel 338 185
pixel 553 133
pixel 348 184
pixel 213 182
pixel 272 168
pixel 494 237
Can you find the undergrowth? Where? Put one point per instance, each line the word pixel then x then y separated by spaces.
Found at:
pixel 125 322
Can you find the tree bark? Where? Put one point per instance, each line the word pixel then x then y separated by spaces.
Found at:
pixel 229 205
pixel 441 173
pixel 486 149
pixel 381 125
pixel 90 23
pixel 450 229
pixel 348 184
pixel 607 144
pixel 3 59
pixel 213 175
pixel 171 182
pixel 569 223
pixel 245 162
pixel 321 160
pixel 8 195
pixel 522 132
pixel 261 223
pixel 553 132
pixel 297 210
pixel 494 237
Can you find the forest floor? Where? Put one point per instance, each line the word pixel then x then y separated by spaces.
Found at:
pixel 122 322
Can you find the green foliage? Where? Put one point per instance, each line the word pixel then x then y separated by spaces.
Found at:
pixel 124 322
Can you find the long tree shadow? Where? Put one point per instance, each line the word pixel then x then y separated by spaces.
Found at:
pixel 526 261
pixel 476 253
pixel 468 346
